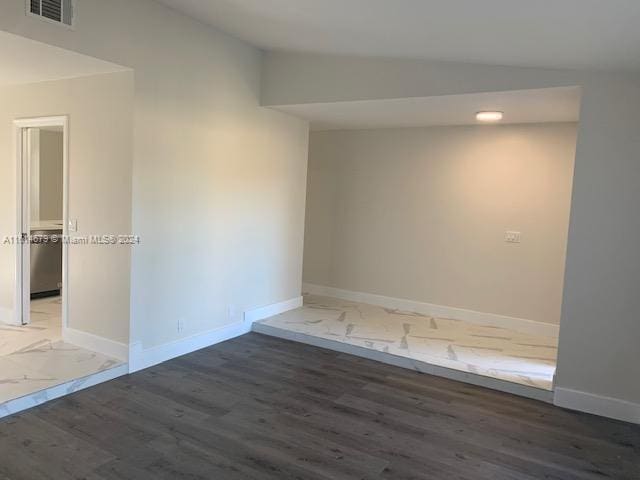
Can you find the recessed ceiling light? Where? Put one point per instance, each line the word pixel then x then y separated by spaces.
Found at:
pixel 489 116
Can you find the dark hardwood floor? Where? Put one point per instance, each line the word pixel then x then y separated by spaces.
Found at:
pixel 262 408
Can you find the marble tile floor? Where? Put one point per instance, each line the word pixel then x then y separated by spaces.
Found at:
pixel 34 357
pixel 487 351
pixel 46 326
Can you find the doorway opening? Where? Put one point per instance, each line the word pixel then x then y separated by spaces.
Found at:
pixel 42 215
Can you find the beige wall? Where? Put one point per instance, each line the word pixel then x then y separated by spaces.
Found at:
pixel 218 182
pixel 420 214
pixel 100 163
pixel 51 180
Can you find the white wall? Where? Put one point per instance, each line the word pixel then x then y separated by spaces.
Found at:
pixel 298 78
pixel 599 331
pixel 420 214
pixel 100 163
pixel 218 182
pixel 51 179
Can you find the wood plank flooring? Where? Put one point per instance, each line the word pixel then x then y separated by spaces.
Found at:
pixel 263 408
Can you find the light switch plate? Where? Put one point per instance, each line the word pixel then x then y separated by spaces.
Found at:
pixel 512 237
pixel 73 225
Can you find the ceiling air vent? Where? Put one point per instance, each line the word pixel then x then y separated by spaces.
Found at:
pixel 56 11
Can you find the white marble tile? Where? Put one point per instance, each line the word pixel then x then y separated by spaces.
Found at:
pixel 18 380
pixel 43 395
pixel 46 325
pixel 483 350
pixel 34 359
pixel 62 360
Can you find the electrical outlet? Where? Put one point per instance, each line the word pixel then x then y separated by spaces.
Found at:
pixel 512 237
pixel 181 322
pixel 232 311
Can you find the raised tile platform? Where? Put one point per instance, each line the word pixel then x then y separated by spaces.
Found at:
pixel 494 357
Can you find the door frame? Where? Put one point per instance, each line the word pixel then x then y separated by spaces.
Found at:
pixel 23 249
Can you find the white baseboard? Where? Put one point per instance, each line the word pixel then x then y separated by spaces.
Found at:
pixel 140 358
pixel 261 313
pixel 471 316
pixel 102 345
pixel 597 405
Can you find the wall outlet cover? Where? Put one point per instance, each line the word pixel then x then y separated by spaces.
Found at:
pixel 512 237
